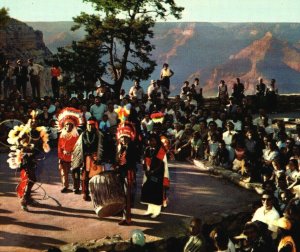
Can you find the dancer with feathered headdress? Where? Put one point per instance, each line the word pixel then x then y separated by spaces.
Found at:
pixel 68 121
pixel 25 141
pixel 126 159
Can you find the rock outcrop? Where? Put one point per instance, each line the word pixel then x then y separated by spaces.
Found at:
pixel 20 41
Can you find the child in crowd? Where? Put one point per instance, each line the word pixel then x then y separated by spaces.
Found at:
pixel 197 146
pixel 213 145
pixel 222 157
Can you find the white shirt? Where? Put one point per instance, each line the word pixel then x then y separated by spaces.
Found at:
pixel 138 93
pixel 35 69
pixel 217 121
pixel 267 216
pixel 227 137
pixel 112 117
pixel 237 125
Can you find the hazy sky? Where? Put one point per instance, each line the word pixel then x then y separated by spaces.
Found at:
pixel 195 10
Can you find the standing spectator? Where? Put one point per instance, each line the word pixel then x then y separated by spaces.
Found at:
pixel 165 74
pixel 198 90
pixel 21 73
pixel 55 75
pixel 271 97
pixel 8 72
pixel 34 71
pixel 239 91
pixel 260 93
pixel 222 92
pixel 136 91
pixel 97 109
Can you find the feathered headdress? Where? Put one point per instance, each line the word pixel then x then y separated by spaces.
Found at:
pixel 71 115
pixel 157 117
pixel 18 134
pixel 125 127
pixel 123 112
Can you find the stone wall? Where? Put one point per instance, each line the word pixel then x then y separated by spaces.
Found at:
pixel 286 103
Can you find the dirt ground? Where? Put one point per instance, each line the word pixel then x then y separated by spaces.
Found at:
pixel 57 219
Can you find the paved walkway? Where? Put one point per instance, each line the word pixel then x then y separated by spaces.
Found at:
pixel 59 218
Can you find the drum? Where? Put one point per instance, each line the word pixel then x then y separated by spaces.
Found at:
pixel 107 193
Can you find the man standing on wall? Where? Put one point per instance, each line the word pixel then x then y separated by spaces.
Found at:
pixel 34 71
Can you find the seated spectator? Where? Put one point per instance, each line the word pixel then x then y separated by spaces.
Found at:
pixel 228 136
pixel 112 115
pixel 286 242
pixel 267 213
pixel 182 148
pixel 292 172
pixel 238 163
pixel 196 242
pixel 104 124
pixel 147 123
pixel 152 89
pixel 221 241
pixel 212 149
pixel 222 157
pixel 254 239
pixel 184 90
pixel 214 117
pixel 136 91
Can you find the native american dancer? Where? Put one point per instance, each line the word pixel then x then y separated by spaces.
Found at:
pixel 155 162
pixel 68 121
pixel 126 160
pixel 158 119
pixel 87 155
pixel 26 140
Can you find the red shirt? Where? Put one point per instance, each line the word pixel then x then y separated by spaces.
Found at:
pixel 55 71
pixel 66 147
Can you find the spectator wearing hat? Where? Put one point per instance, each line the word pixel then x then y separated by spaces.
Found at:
pixel 286 242
pixel 34 71
pixel 152 89
pixel 21 74
pixel 254 238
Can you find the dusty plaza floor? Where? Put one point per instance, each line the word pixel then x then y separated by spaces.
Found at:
pixel 58 219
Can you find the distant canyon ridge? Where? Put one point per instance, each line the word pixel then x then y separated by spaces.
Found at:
pixel 211 52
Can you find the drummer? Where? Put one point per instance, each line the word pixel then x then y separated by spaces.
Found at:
pixel 126 165
pixel 87 154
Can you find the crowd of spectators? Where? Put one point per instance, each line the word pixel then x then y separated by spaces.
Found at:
pixel 227 135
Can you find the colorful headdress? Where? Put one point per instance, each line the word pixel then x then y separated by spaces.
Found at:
pixel 93 121
pixel 18 134
pixel 123 112
pixel 69 115
pixel 157 117
pixel 126 129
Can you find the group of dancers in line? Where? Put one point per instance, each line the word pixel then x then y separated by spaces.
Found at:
pixel 82 154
